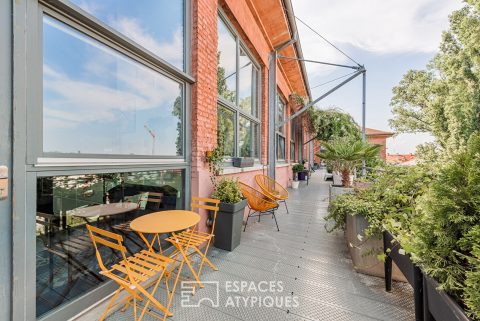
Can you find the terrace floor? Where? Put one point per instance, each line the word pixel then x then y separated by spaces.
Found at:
pixel 312 265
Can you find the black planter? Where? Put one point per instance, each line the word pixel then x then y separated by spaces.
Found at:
pixel 243 162
pixel 301 176
pixel 440 306
pixel 412 273
pixel 228 225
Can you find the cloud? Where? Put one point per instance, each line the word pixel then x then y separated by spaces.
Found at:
pixel 118 86
pixel 170 51
pixel 377 26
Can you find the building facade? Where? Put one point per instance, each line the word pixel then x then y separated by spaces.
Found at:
pixel 106 102
pixel 378 137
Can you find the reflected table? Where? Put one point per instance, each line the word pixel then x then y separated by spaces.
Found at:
pixel 102 210
pixel 167 222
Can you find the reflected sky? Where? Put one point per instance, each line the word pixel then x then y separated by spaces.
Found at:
pixel 98 101
pixel 156 25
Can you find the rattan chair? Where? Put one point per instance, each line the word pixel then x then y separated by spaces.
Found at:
pixel 272 188
pixel 132 273
pixel 258 202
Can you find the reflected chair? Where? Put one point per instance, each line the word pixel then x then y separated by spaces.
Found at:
pixel 272 188
pixel 133 274
pixel 193 240
pixel 259 203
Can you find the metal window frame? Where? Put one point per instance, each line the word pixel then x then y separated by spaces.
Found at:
pixel 256 87
pixel 280 100
pixel 37 143
pixel 27 79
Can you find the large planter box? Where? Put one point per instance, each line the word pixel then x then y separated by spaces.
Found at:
pixel 334 191
pixel 362 261
pixel 228 225
pixel 440 306
pixel 412 273
pixel 243 162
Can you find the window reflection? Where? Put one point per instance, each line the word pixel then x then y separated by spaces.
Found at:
pixel 97 101
pixel 248 141
pixel 226 130
pixel 156 25
pixel 247 84
pixel 66 263
pixel 280 147
pixel 227 63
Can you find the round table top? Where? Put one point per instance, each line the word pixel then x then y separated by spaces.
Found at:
pixel 165 222
pixel 104 209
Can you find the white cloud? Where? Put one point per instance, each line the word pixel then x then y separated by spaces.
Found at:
pixel 170 51
pixel 378 26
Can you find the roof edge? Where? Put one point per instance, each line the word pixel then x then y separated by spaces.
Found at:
pixel 298 47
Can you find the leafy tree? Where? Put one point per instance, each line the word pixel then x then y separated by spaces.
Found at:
pixel 330 123
pixel 177 112
pixel 444 99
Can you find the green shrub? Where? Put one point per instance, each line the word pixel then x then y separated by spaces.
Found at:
pixel 471 294
pixel 227 191
pixel 387 203
pixel 442 243
pixel 298 168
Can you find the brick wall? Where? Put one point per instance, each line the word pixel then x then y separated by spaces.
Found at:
pixel 204 91
pixel 379 140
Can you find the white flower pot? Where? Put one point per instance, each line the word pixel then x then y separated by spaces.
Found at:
pixel 337 179
pixel 295 184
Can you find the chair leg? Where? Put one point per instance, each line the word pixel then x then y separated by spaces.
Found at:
pixel 286 206
pixel 151 298
pixel 205 259
pixel 273 212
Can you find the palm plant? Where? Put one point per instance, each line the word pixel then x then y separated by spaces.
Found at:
pixel 344 154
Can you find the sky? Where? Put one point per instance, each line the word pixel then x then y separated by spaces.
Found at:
pixel 389 37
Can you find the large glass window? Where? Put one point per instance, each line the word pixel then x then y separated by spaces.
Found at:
pixel 226 130
pixel 292 140
pixel 156 25
pixel 248 135
pixel 281 116
pixel 238 79
pixel 98 101
pixel 66 264
pixel 227 63
pixel 247 84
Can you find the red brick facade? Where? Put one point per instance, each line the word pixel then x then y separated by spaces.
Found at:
pixel 252 21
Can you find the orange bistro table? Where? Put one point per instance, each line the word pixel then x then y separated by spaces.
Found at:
pixel 167 222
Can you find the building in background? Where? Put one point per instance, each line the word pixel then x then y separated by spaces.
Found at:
pixel 378 137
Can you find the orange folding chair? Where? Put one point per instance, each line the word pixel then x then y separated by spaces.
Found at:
pixel 259 203
pixel 272 188
pixel 133 273
pixel 194 239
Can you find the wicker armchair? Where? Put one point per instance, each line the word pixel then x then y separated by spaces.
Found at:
pixel 258 202
pixel 272 188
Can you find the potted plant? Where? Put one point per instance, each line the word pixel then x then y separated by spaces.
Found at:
pixel 242 162
pixel 296 169
pixel 446 238
pixel 344 154
pixel 228 224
